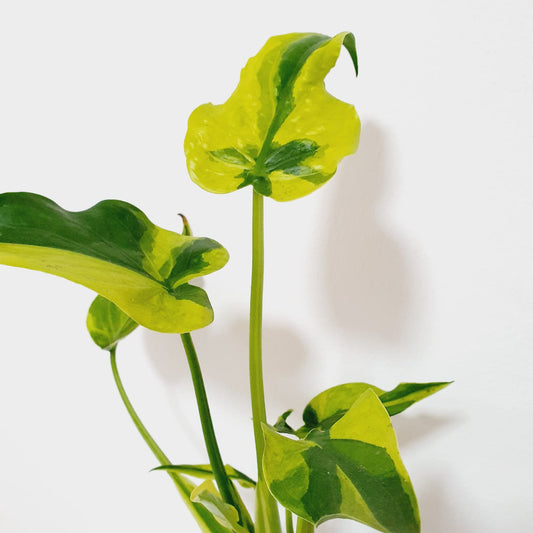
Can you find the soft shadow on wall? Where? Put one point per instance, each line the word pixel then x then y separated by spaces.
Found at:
pixel 223 354
pixel 367 275
pixel 369 289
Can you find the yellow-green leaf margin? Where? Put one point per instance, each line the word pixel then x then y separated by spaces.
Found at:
pixel 107 324
pixel 352 470
pixel 280 131
pixel 113 249
pixel 328 406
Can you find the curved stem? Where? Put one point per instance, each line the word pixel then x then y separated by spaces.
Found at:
pixel 225 486
pixel 267 515
pixel 206 522
pixel 152 444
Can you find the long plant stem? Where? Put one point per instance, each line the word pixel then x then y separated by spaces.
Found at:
pixel 267 515
pixel 184 486
pixel 303 526
pixel 256 326
pixel 152 444
pixel 225 486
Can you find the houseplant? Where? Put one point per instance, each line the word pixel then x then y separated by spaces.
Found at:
pixel 283 135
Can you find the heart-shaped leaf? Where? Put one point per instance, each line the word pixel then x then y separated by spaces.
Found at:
pixel 107 324
pixel 280 131
pixel 329 406
pixel 113 249
pixel 353 470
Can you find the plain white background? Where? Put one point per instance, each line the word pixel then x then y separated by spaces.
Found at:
pixel 414 263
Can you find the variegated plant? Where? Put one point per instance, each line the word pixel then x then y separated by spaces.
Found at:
pixel 283 134
pixel 280 131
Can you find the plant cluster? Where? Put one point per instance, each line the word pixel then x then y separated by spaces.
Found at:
pixel 283 134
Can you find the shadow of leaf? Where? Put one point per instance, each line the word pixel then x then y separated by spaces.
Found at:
pixel 223 355
pixel 367 279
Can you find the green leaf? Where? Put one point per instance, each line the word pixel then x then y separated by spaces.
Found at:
pixel 206 521
pixel 225 514
pixel 107 324
pixel 329 406
pixel 280 131
pixel 206 472
pixel 406 394
pixel 113 249
pixel 353 470
pixel 281 425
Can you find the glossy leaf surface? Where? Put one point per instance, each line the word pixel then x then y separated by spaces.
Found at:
pixel 107 324
pixel 280 131
pixel 353 470
pixel 225 514
pixel 328 406
pixel 206 472
pixel 113 249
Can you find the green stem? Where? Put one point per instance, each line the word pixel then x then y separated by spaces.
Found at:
pixel 184 487
pixel 288 522
pixel 256 326
pixel 156 450
pixel 304 526
pixel 267 515
pixel 225 486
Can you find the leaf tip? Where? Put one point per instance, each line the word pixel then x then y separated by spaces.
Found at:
pixel 349 44
pixel 187 232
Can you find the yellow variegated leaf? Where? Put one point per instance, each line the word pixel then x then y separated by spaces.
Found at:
pixel 107 324
pixel 351 470
pixel 225 514
pixel 113 249
pixel 329 406
pixel 280 131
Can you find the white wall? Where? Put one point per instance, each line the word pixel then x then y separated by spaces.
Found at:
pixel 413 264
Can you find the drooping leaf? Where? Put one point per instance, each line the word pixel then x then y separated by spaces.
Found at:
pixel 225 514
pixel 107 324
pixel 329 406
pixel 206 472
pixel 353 470
pixel 280 131
pixel 113 249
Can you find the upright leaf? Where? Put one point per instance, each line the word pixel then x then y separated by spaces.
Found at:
pixel 280 131
pixel 113 249
pixel 353 470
